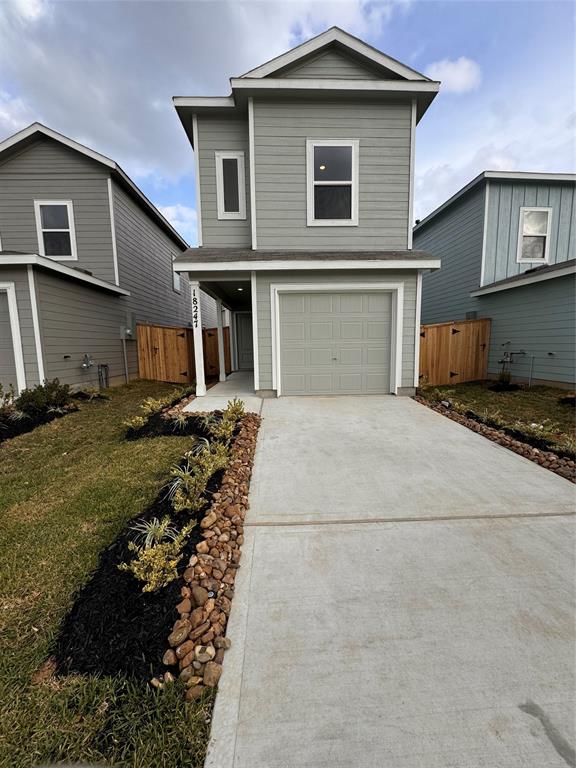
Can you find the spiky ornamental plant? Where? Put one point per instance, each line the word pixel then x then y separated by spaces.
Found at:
pixel 151 532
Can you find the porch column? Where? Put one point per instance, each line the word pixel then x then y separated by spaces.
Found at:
pixel 221 359
pixel 198 340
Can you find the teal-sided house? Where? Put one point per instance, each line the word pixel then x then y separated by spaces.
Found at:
pixel 304 194
pixel 507 241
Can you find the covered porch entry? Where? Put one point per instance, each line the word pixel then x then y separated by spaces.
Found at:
pixel 234 292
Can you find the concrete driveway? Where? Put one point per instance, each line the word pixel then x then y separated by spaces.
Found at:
pixel 406 598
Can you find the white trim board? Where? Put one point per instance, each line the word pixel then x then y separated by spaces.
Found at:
pixel 396 352
pixel 321 264
pixel 10 289
pixel 219 157
pixel 335 35
pixel 333 84
pixel 197 177
pixel 252 170
pixel 311 182
pixel 528 209
pixel 113 228
pixel 255 340
pixel 411 181
pixel 71 229
pixel 36 324
pixel 526 280
pixel 417 324
pixel 57 266
pixel 484 232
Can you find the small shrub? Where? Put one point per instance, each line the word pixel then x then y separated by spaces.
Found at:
pixel 151 532
pixel 50 397
pixel 157 565
pixel 222 427
pixel 134 423
pixel 188 485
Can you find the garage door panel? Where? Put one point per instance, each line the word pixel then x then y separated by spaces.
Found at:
pixel 337 343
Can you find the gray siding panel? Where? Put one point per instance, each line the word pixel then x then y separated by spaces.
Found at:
pixel 19 276
pixel 219 135
pixel 455 237
pixel 504 202
pixel 541 320
pixel 331 64
pixel 265 279
pixel 46 170
pixel 280 133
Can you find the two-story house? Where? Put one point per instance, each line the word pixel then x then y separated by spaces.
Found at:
pixel 304 194
pixel 507 241
pixel 84 256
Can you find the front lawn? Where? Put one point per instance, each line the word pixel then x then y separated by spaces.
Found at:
pixel 535 411
pixel 67 489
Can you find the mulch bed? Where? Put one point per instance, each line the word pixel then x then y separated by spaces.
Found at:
pixel 561 465
pixel 113 627
pixel 9 429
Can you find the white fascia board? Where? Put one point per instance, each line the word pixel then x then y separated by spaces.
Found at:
pixel 210 102
pixel 528 176
pixel 335 35
pixel 328 84
pixel 55 266
pixel 277 266
pixel 527 280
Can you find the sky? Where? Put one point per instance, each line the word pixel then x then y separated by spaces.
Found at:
pixel 104 73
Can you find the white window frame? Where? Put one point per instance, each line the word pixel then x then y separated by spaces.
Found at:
pixel 311 183
pixel 176 276
pixel 529 209
pixel 240 214
pixel 71 229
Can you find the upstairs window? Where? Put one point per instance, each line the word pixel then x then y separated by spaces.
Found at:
pixel 534 235
pixel 332 172
pixel 230 185
pixel 55 227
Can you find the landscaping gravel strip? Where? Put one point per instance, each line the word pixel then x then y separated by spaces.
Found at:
pixel 560 465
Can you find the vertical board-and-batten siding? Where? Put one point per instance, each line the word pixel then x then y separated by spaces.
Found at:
pixel 454 236
pixel 265 279
pixel 503 223
pixel 334 65
pixel 47 170
pixel 220 134
pixel 19 276
pixel 281 129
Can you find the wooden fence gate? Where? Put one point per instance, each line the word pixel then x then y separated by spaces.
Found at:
pixel 451 353
pixel 166 353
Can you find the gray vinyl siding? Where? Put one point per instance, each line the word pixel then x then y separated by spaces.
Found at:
pixel 331 64
pixel 218 135
pixel 280 132
pixel 455 237
pixel 504 202
pixel 264 280
pixel 46 170
pixel 78 320
pixel 540 319
pixel 19 276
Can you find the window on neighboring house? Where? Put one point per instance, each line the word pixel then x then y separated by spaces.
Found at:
pixel 55 226
pixel 534 235
pixel 230 185
pixel 175 278
pixel 332 174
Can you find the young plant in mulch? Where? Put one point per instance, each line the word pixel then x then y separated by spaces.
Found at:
pixel 159 416
pixel 32 407
pixel 121 617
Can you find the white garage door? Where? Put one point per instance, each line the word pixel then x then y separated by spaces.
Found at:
pixel 335 343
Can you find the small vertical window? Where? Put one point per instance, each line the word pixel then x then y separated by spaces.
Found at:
pixel 230 185
pixel 332 172
pixel 55 227
pixel 176 284
pixel 534 235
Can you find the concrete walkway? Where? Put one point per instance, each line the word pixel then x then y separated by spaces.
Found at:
pixel 239 384
pixel 405 598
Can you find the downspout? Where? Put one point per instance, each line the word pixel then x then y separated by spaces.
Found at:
pixel 125 360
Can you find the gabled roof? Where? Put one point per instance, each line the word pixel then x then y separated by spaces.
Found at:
pixel 485 176
pixel 335 36
pixel 35 130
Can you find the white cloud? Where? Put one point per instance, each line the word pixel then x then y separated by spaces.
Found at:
pixel 458 76
pixel 15 114
pixel 30 10
pixel 183 218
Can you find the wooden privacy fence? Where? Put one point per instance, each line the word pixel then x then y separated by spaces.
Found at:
pixel 451 353
pixel 166 353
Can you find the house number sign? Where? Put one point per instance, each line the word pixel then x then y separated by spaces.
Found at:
pixel 195 312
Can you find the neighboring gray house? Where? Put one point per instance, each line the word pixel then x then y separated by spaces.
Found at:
pixel 304 195
pixel 84 256
pixel 507 241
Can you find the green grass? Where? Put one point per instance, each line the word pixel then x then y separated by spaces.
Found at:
pixel 66 491
pixel 524 407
